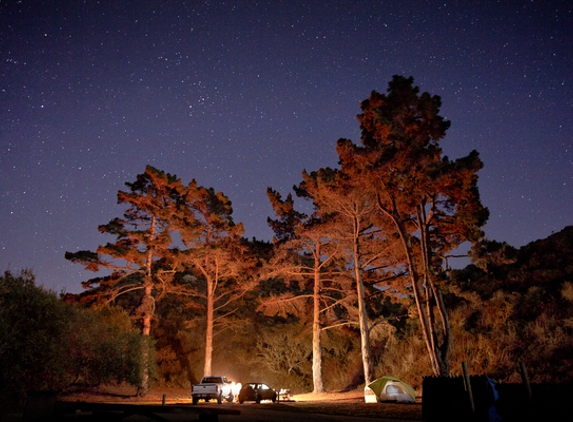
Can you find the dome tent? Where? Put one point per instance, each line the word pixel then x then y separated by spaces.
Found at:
pixel 389 389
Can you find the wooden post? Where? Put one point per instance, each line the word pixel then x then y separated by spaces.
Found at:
pixel 163 400
pixel 525 379
pixel 468 385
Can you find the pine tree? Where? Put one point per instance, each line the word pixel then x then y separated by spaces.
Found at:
pixel 349 210
pixel 215 255
pixel 432 202
pixel 303 252
pixel 137 259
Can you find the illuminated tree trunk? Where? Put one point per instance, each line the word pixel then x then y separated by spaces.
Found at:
pixel 433 297
pixel 438 354
pixel 147 309
pixel 293 225
pixel 147 306
pixel 209 331
pixel 362 313
pixel 214 251
pixel 418 297
pixel 317 331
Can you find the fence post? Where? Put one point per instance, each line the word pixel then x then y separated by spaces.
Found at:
pixel 468 385
pixel 525 379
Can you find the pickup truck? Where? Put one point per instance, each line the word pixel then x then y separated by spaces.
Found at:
pixel 214 387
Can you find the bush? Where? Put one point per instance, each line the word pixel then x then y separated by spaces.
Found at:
pixel 103 347
pixel 48 345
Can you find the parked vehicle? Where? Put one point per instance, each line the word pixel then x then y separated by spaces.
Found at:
pixel 256 391
pixel 214 388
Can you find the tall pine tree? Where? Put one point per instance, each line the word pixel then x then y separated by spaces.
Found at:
pixel 432 202
pixel 137 257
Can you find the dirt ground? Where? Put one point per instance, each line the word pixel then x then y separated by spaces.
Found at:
pixel 128 394
pixel 346 403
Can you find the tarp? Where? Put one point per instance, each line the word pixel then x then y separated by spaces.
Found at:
pixel 389 389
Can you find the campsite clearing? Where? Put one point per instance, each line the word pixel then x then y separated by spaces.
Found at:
pixel 342 404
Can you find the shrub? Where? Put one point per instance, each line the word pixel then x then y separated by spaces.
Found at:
pixel 47 344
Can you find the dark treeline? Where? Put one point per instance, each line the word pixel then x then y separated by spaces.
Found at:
pixel 357 289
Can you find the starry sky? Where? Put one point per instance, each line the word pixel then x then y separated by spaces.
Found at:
pixel 242 95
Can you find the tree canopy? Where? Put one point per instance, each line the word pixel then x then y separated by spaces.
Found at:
pixel 432 202
pixel 169 230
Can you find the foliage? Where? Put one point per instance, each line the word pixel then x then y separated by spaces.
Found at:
pixel 218 264
pixel 173 240
pixel 104 347
pixel 305 253
pixel 177 341
pixel 142 239
pixel 138 259
pixel 515 307
pixel 47 344
pixel 516 310
pixel 282 353
pixel 404 356
pixel 342 359
pixel 429 202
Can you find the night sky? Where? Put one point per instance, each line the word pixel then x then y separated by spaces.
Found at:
pixel 242 95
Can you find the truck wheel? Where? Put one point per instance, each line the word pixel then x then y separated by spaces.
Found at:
pixel 220 399
pixel 195 400
pixel 230 398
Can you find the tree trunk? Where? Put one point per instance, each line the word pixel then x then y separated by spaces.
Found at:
pixel 364 333
pixel 316 333
pixel 434 299
pixel 209 332
pixel 362 313
pixel 147 312
pixel 427 331
pixel 446 343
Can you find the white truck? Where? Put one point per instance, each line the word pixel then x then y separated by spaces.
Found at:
pixel 214 387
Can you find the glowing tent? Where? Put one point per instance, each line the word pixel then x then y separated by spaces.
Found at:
pixel 389 389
